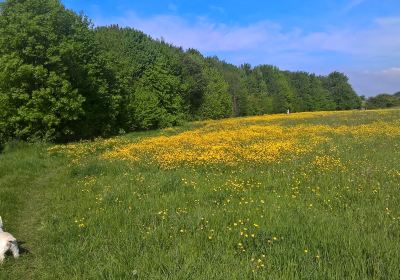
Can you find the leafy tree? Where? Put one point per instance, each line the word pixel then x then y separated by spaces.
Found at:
pixel 300 83
pixel 216 100
pixel 255 100
pixel 133 56
pixel 341 91
pixel 156 101
pixel 236 83
pixel 194 81
pixel 53 82
pixel 383 100
pixel 278 88
pixel 259 104
pixel 309 94
pixel 321 100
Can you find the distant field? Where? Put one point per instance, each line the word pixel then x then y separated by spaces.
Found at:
pixel 300 196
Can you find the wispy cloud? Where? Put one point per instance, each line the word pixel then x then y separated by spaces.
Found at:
pixel 387 21
pixel 217 9
pixel 393 71
pixel 202 34
pixel 374 82
pixel 352 4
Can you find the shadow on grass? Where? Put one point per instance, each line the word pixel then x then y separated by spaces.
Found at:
pixel 22 249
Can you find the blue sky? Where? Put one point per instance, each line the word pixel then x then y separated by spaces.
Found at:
pixel 358 37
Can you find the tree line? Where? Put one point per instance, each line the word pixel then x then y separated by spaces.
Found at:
pixel 62 79
pixel 382 100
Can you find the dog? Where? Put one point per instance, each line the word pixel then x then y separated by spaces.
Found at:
pixel 7 243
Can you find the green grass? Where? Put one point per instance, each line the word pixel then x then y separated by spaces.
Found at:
pixel 118 220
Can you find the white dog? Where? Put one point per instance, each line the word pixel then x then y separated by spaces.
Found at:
pixel 7 243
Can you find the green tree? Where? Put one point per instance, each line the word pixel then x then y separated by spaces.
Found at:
pixel 341 91
pixel 278 88
pixel 321 100
pixel 194 80
pixel 216 100
pixel 383 100
pixel 256 99
pixel 235 79
pixel 157 100
pixel 53 81
pixel 300 84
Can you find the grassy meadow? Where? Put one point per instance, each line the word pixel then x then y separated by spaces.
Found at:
pixel 299 196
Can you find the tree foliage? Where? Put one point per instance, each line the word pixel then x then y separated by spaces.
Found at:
pixel 53 82
pixel 156 100
pixel 383 100
pixel 341 91
pixel 216 99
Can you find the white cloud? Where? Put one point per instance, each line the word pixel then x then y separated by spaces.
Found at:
pixel 387 21
pixel 394 71
pixel 371 83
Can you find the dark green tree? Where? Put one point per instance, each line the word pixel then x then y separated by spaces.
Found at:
pixel 236 83
pixel 278 87
pixel 194 81
pixel 341 91
pixel 321 100
pixel 383 100
pixel 156 101
pixel 216 100
pixel 53 82
pixel 255 100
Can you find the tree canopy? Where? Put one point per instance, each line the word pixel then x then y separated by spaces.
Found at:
pixel 54 84
pixel 383 100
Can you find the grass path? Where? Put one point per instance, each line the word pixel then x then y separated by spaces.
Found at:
pixel 28 230
pixel 34 178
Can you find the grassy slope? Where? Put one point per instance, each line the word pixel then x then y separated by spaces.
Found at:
pixel 118 220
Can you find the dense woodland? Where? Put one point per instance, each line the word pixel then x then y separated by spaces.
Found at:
pixel 62 79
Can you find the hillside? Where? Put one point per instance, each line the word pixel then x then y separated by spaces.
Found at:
pixel 300 196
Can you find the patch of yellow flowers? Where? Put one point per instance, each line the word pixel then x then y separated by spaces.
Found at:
pixel 252 140
pixel 229 145
pixel 327 162
pixel 259 139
